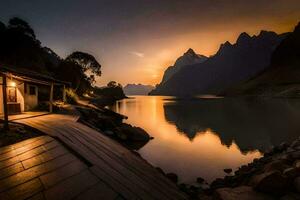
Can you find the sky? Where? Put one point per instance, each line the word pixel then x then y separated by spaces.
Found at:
pixel 136 40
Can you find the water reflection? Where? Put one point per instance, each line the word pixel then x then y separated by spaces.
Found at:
pixel 202 137
pixel 251 124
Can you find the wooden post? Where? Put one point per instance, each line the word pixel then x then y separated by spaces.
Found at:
pixel 5 111
pixel 64 94
pixel 51 98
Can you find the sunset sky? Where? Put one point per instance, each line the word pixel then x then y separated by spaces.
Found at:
pixel 136 40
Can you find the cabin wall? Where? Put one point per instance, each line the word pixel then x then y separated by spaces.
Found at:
pixel 19 90
pixel 20 93
pixel 31 100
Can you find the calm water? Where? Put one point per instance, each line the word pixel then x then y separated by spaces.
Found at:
pixel 201 137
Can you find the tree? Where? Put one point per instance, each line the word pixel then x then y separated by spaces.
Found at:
pixel 22 26
pixel 112 84
pixel 82 69
pixel 2 27
pixel 88 63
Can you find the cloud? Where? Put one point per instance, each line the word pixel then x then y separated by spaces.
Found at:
pixel 138 54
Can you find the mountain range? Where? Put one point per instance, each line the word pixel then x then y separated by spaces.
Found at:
pixel 137 89
pixel 231 65
pixel 281 78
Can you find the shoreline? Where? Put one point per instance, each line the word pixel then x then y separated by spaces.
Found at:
pixel 241 180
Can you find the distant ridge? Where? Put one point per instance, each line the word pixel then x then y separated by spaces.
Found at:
pixel 137 89
pixel 232 64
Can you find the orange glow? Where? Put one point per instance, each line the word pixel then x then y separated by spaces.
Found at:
pixel 12 84
pixel 160 53
pixel 205 150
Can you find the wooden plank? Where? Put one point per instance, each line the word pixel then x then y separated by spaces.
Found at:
pixel 34 172
pixel 137 167
pixel 72 187
pixel 165 188
pixel 23 191
pixel 9 162
pixel 38 196
pixel 114 169
pixel 99 191
pixel 27 155
pixel 45 157
pixel 114 184
pixel 105 176
pixel 24 149
pixel 116 166
pixel 11 170
pixel 118 170
pixel 52 178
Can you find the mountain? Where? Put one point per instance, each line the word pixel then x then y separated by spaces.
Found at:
pixel 232 64
pixel 281 78
pixel 137 89
pixel 188 58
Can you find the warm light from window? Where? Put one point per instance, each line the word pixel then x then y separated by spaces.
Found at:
pixel 13 84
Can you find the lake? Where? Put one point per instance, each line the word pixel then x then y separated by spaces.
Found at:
pixel 200 137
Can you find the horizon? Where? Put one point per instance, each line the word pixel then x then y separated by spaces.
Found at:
pixel 144 39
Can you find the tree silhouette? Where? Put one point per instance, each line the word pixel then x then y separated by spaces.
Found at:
pixel 112 84
pixel 22 26
pixel 86 61
pixel 21 49
pixel 2 27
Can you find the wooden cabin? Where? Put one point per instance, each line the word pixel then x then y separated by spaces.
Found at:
pixel 22 87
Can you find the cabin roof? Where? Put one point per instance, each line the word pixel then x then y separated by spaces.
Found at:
pixel 30 76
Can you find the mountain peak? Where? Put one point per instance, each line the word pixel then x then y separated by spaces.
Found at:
pixel 264 33
pixel 243 37
pixel 297 28
pixel 190 52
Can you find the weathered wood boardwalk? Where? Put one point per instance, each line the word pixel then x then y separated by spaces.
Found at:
pixel 91 167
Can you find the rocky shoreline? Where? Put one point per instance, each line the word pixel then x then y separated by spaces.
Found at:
pixel 274 176
pixel 111 124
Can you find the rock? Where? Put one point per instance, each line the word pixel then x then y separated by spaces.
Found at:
pixel 228 170
pixel 291 196
pixel 269 182
pixel 279 165
pixel 173 177
pixel 295 144
pixel 204 197
pixel 292 172
pixel 110 133
pixel 239 193
pixel 183 187
pixel 218 183
pixel 295 155
pixel 160 170
pixel 133 133
pixel 200 180
pixel 283 146
pixel 120 134
pixel 289 150
pixel 297 184
pixel 297 163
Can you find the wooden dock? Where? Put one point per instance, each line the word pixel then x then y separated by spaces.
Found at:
pixel 77 162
